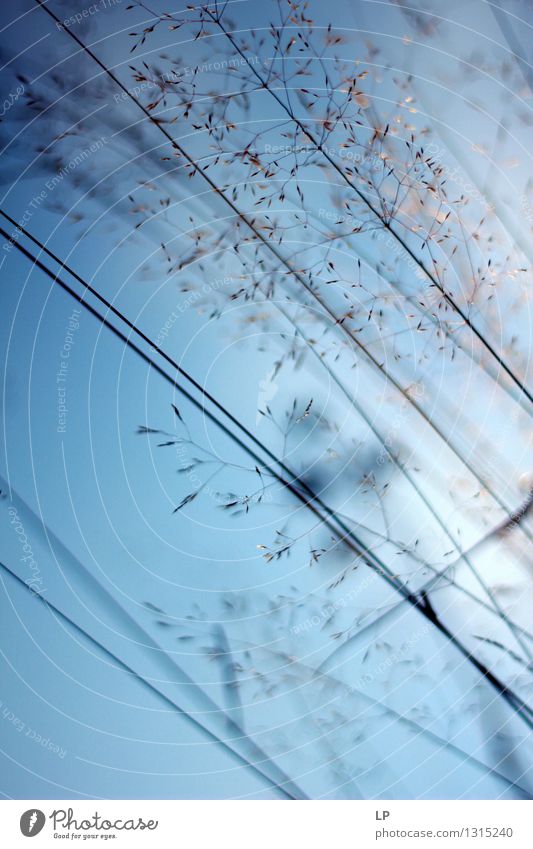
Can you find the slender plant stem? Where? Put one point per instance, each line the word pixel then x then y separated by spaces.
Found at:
pixel 296 486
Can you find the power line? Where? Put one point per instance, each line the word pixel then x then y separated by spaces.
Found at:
pixel 188 717
pixel 517 632
pixel 386 224
pixel 464 555
pixel 289 794
pixel 133 327
pixel 266 242
pixel 162 353
pixel 307 497
pixel 280 258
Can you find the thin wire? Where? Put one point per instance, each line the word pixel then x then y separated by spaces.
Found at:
pixel 386 224
pixel 308 498
pixel 438 577
pixel 267 243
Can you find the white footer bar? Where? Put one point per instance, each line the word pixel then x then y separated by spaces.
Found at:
pixel 268 824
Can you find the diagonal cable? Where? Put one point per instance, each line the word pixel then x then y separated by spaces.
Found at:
pixel 300 489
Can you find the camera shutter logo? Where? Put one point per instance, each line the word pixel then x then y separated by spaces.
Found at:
pixel 32 822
